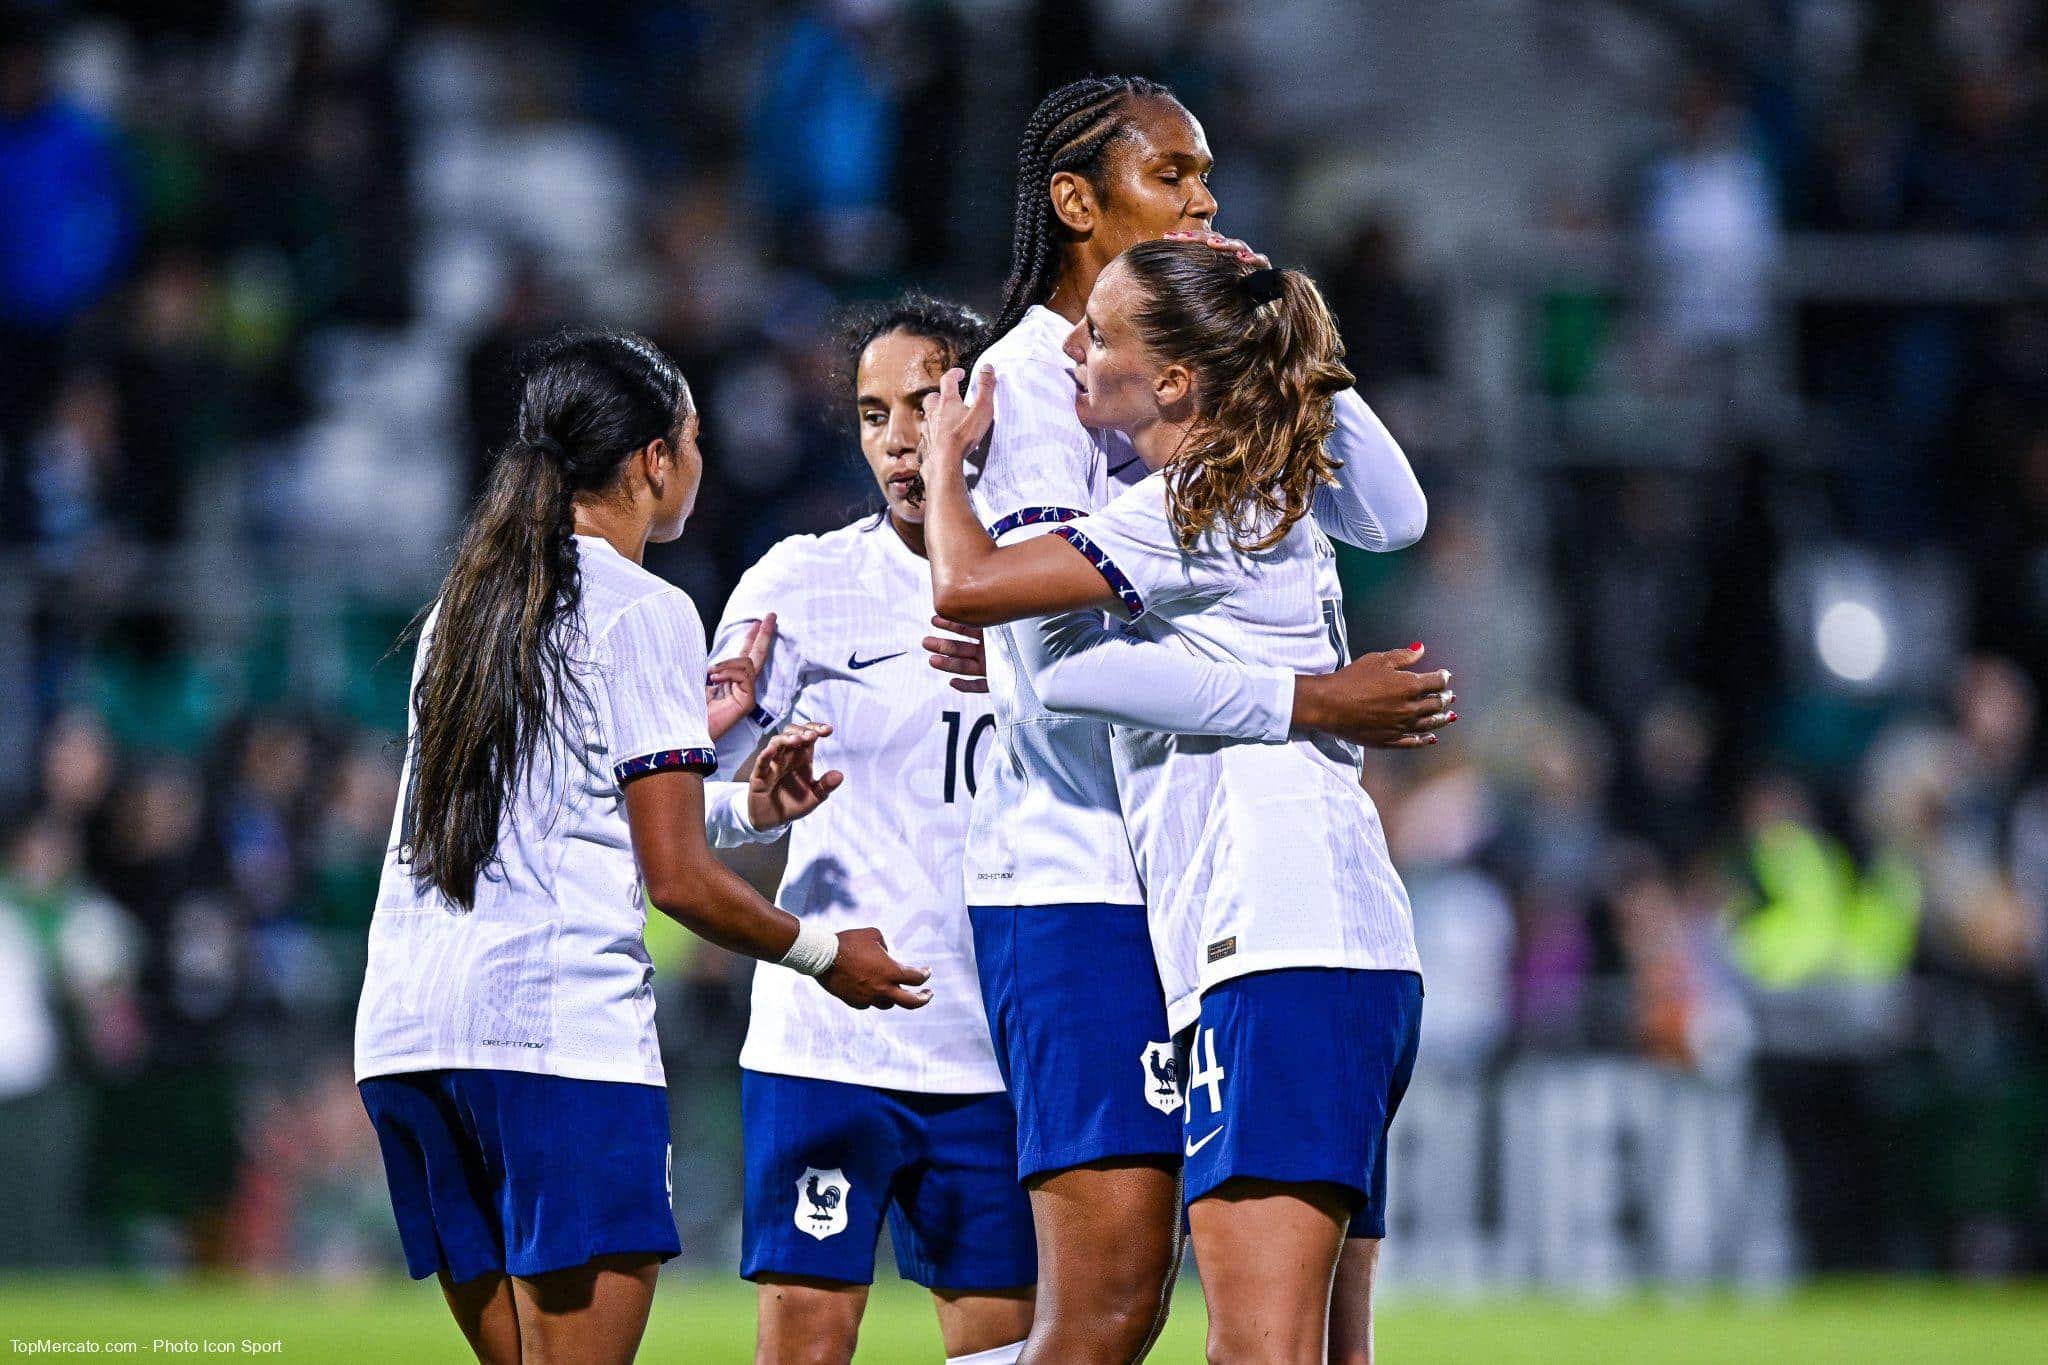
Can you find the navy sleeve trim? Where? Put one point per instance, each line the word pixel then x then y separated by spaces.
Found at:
pixel 1032 516
pixel 761 718
pixel 1125 590
pixel 703 762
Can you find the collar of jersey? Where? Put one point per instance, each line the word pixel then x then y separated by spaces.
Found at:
pixel 599 543
pixel 1053 325
pixel 894 549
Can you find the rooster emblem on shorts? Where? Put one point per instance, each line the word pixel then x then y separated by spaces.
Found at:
pixel 1162 1077
pixel 821 1201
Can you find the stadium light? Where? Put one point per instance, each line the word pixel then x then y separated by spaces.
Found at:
pixel 1852 641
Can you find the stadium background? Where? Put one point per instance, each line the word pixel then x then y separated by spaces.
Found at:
pixel 1716 332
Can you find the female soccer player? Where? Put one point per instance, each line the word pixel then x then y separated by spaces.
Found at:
pixel 1282 934
pixel 849 1117
pixel 505 1043
pixel 1056 902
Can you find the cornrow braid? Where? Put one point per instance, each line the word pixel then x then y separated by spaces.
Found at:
pixel 1069 131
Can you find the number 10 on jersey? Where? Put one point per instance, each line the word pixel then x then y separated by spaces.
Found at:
pixel 960 758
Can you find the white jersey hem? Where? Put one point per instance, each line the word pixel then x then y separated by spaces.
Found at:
pixel 1014 897
pixel 874 1078
pixel 570 1068
pixel 1186 1010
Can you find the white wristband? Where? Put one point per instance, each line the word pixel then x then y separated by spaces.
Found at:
pixel 814 951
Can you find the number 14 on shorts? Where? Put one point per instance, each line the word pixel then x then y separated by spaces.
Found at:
pixel 1205 1082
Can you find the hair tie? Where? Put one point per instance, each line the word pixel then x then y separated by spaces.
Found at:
pixel 548 446
pixel 1262 286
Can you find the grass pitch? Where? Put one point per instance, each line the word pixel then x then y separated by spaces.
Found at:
pixel 710 1322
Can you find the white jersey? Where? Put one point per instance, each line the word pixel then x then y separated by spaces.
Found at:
pixel 852 608
pixel 548 972
pixel 1046 827
pixel 1255 856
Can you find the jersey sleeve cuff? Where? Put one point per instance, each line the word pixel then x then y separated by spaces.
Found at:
pixel 1119 582
pixel 1273 693
pixel 1032 516
pixel 703 762
pixel 727 821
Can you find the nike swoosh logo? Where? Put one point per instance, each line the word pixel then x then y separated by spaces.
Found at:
pixel 1118 469
pixel 1193 1147
pixel 854 660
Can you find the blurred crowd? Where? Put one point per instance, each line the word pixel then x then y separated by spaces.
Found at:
pixel 1750 785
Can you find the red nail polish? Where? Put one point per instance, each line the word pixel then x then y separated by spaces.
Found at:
pixel 1432 739
pixel 1453 716
pixel 1416 645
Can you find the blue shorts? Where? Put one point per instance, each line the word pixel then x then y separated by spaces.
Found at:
pixel 1295 1076
pixel 824 1159
pixel 520 1174
pixel 1079 1024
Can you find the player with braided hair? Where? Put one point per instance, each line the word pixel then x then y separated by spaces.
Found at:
pixel 1075 1006
pixel 1068 134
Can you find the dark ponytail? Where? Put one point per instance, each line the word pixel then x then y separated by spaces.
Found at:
pixel 1069 131
pixel 501 657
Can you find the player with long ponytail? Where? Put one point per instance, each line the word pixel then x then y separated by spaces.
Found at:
pixel 1281 933
pixel 1104 164
pixel 559 741
pixel 1054 896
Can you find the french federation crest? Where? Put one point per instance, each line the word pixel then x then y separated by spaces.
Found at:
pixel 821 1202
pixel 1162 1077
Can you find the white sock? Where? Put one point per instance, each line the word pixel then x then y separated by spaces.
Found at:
pixel 994 1355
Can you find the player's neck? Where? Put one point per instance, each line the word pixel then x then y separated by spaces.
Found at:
pixel 1159 443
pixel 911 532
pixel 1070 296
pixel 627 534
